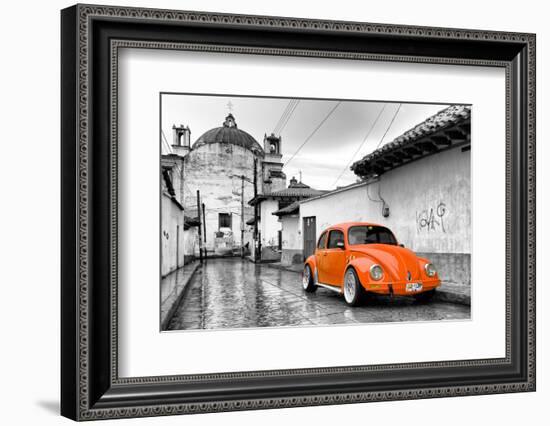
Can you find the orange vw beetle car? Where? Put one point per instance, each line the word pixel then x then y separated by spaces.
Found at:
pixel 358 258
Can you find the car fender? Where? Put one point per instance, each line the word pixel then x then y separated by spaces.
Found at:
pixel 312 263
pixel 362 267
pixel 422 262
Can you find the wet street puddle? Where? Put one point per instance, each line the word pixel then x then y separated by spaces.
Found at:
pixel 234 293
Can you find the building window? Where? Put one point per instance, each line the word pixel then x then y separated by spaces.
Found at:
pixel 224 220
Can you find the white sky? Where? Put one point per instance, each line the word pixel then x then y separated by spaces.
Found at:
pixel 328 153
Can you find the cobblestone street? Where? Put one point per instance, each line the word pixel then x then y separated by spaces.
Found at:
pixel 235 293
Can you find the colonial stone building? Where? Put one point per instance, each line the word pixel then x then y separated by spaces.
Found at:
pixel 229 168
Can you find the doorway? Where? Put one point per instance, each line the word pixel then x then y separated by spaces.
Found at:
pixel 310 235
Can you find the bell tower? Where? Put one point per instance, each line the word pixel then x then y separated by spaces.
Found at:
pixel 272 145
pixel 273 176
pixel 181 140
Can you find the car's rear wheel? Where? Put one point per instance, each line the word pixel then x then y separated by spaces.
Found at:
pixel 425 296
pixel 353 290
pixel 308 284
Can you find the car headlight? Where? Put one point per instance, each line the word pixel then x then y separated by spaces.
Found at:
pixel 430 269
pixel 376 272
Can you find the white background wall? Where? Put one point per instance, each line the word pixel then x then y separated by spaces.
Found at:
pixel 270 224
pixel 172 236
pixel 292 234
pixel 411 192
pixel 29 225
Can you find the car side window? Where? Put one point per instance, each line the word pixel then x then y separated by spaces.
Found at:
pixel 322 241
pixel 335 237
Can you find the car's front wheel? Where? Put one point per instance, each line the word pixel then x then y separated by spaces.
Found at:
pixel 308 283
pixel 353 290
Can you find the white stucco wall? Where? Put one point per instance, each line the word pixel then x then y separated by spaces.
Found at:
pixel 270 224
pixel 172 241
pixel 190 243
pixel 291 232
pixel 291 240
pixel 429 201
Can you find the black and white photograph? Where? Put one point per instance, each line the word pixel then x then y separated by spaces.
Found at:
pixel 279 212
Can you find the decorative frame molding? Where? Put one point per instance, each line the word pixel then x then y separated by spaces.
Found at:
pixel 91 37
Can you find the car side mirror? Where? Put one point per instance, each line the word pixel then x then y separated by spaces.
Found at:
pixel 402 245
pixel 340 244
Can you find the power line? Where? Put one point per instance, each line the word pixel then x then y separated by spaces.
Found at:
pixel 362 143
pixel 314 131
pixel 288 117
pixel 283 115
pixel 389 126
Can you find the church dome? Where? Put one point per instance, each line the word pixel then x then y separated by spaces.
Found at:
pixel 229 133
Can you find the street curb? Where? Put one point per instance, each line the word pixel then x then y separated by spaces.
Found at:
pixel 281 268
pixel 450 297
pixel 170 312
pixel 440 295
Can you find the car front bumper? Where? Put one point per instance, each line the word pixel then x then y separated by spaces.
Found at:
pixel 402 288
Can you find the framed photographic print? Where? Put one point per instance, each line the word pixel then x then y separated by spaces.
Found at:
pixel 263 212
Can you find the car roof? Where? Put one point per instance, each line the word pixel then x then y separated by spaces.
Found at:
pixel 346 225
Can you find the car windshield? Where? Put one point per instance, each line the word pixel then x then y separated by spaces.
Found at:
pixel 367 234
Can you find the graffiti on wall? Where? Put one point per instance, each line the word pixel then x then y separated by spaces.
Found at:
pixel 432 219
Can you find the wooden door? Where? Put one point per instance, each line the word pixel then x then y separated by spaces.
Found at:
pixel 310 236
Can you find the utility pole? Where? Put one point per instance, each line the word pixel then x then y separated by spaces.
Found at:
pixel 204 229
pixel 242 216
pixel 259 217
pixel 200 224
pixel 255 239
